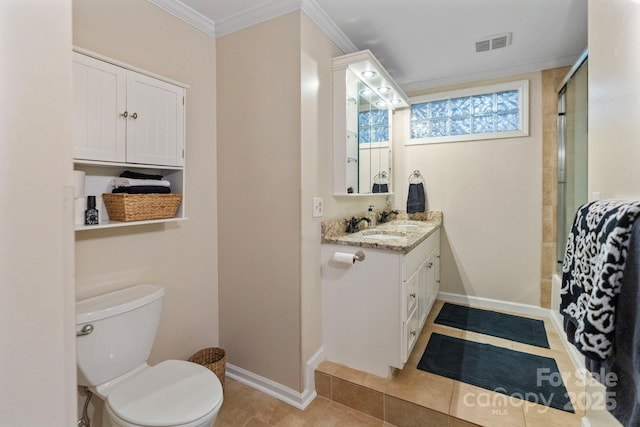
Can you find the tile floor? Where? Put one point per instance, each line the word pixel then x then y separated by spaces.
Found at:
pixel 412 397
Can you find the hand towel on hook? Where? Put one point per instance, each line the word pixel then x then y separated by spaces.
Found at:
pixel 416 201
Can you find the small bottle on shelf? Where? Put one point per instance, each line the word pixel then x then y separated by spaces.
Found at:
pixel 91 214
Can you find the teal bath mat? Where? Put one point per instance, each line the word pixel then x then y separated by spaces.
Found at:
pixel 501 325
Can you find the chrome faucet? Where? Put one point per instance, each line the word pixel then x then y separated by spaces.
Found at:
pixel 353 224
pixel 384 215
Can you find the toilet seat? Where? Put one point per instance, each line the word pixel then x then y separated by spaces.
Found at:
pixel 172 393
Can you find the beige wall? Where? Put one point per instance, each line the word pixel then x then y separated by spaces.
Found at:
pixel 316 157
pixel 614 98
pixel 37 360
pixel 490 193
pixel 614 102
pixel 259 94
pixel 181 257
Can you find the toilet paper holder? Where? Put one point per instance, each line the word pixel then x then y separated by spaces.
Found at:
pixel 359 256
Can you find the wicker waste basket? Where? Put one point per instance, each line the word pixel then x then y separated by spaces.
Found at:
pixel 212 358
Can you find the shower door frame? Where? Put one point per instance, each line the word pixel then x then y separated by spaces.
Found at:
pixel 561 211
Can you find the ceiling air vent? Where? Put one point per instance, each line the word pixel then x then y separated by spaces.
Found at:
pixel 483 46
pixel 493 42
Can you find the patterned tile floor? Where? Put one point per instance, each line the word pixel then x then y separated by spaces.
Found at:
pixel 347 397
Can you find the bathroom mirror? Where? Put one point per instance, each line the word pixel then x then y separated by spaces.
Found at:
pixel 374 147
pixel 364 99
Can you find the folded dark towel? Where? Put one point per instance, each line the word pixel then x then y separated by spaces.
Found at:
pixel 142 189
pixel 138 175
pixel 380 188
pixel 415 198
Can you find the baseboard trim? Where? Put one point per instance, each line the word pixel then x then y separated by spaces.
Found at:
pixel 515 307
pixel 292 397
pixel 576 357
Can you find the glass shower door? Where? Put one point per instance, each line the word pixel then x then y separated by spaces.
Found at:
pixel 572 151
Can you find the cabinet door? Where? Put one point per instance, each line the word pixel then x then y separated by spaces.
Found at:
pixel 155 126
pixel 99 102
pixel 423 283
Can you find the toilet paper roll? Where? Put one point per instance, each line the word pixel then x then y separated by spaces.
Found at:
pixel 79 206
pixel 103 216
pixel 344 259
pixel 78 183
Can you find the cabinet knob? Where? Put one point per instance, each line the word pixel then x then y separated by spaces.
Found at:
pixel 125 114
pixel 413 333
pixel 86 330
pixel 413 295
pixel 134 116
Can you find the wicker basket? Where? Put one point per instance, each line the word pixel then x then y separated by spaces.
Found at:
pixel 212 358
pixel 140 207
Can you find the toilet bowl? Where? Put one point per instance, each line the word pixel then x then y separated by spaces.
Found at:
pixel 115 333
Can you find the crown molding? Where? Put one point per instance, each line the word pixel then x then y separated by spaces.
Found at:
pixel 327 25
pixel 187 14
pixel 411 87
pixel 255 15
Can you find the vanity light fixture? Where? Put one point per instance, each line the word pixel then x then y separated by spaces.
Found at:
pixel 366 92
pixel 384 89
pixel 396 101
pixel 368 74
pixel 381 104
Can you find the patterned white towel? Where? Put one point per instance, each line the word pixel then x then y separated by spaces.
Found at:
pixel 592 271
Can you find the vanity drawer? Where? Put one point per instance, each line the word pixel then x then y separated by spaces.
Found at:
pixel 410 295
pixel 415 258
pixel 410 335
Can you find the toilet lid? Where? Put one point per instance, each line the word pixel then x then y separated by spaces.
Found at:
pixel 171 393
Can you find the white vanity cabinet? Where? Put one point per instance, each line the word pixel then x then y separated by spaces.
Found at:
pixel 373 311
pixel 121 115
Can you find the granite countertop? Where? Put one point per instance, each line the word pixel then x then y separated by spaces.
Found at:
pixel 400 235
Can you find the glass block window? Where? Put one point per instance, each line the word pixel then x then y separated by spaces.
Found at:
pixel 488 112
pixel 373 126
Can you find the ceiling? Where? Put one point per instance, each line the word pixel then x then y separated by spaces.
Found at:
pixel 427 43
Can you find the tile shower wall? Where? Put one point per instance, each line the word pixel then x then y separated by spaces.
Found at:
pixel 551 79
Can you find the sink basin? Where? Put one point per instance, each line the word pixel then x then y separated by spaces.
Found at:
pixel 382 236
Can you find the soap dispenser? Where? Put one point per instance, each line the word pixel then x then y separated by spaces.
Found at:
pixel 371 216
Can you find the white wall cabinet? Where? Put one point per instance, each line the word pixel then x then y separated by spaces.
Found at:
pixel 122 115
pixel 373 312
pixel 125 118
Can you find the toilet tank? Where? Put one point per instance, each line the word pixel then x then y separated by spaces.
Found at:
pixel 124 325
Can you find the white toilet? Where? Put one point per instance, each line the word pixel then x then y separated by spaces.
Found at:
pixel 115 333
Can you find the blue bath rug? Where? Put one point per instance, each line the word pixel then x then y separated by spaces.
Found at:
pixel 501 325
pixel 509 372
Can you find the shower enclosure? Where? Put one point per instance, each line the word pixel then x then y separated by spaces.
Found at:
pixel 572 150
